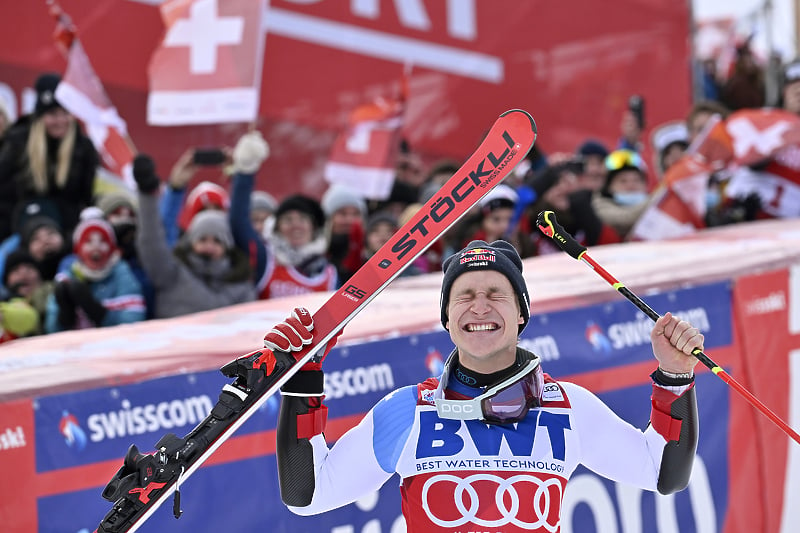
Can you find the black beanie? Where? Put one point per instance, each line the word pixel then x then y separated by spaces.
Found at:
pixel 479 255
pixel 45 87
pixel 304 204
pixel 16 258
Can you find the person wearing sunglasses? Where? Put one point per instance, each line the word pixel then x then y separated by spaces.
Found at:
pixel 624 196
pixel 493 441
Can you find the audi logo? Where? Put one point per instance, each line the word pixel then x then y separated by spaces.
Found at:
pixel 540 504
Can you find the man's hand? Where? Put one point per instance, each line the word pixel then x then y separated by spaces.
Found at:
pixel 673 342
pixel 294 334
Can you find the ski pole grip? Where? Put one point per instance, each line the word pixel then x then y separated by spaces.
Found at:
pixel 549 226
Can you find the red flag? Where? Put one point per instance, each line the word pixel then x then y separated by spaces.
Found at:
pixel 764 139
pixel 82 94
pixel 363 156
pixel 207 69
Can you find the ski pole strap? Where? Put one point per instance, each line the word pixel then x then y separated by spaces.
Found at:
pixel 312 423
pixel 660 414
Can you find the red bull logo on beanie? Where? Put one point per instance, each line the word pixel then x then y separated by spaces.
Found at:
pixel 477 254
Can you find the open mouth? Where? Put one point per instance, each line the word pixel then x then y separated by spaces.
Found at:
pixel 481 327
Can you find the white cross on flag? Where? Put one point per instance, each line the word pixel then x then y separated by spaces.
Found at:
pixel 363 155
pixel 208 67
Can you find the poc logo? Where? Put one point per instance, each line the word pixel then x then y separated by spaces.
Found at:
pixel 466 409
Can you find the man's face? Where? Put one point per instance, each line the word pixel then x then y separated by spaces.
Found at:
pixel 342 220
pixel 379 235
pixel 208 246
pixel 557 195
pixel 95 251
pixel 44 240
pixel 24 279
pixel 483 320
pixel 594 173
pixel 496 222
pixel 296 227
pixel 57 122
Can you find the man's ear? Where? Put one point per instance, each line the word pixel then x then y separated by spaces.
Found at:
pixel 520 320
pixel 447 325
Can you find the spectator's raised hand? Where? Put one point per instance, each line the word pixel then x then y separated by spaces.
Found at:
pixel 250 152
pixel 144 172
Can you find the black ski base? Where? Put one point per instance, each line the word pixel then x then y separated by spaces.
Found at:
pixel 144 478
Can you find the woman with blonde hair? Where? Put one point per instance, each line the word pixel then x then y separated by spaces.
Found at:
pixel 46 155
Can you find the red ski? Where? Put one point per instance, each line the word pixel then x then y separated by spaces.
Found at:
pixel 145 481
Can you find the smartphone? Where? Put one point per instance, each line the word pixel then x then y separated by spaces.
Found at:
pixel 209 157
pixel 636 105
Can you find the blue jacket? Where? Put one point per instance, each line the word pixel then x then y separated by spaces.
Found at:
pixel 120 293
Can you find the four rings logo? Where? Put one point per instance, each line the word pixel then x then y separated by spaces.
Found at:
pixel 443 205
pixel 518 499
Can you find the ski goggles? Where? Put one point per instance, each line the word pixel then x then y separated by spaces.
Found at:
pixel 624 158
pixel 504 403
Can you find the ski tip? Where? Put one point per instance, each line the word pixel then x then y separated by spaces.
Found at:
pixel 530 118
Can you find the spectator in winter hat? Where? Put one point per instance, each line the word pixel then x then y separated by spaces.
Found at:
pixel 624 196
pixel 592 154
pixel 18 318
pixel 41 235
pixel 262 211
pixel 345 210
pixel 670 141
pixel 120 209
pixel 296 257
pixel 204 272
pixel 46 155
pixel 99 288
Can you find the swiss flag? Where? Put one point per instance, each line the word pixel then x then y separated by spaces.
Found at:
pixel 208 67
pixel 364 155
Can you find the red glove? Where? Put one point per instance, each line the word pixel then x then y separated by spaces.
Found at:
pixel 294 334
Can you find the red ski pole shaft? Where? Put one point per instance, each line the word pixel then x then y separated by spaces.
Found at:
pixel 550 227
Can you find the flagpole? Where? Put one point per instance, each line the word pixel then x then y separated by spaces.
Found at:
pixel 65 34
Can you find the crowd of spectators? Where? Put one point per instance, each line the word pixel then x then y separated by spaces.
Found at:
pixel 70 260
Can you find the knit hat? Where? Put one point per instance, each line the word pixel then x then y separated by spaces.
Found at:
pixel 501 196
pixel 381 217
pixel 205 195
pixel 668 134
pixel 16 258
pixel 35 214
pixel 84 232
pixel 592 147
pixel 211 222
pixel 263 201
pixel 339 196
pixel 45 88
pixel 110 202
pixel 480 255
pixel 304 204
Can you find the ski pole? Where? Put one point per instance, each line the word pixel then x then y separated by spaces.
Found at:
pixel 550 227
